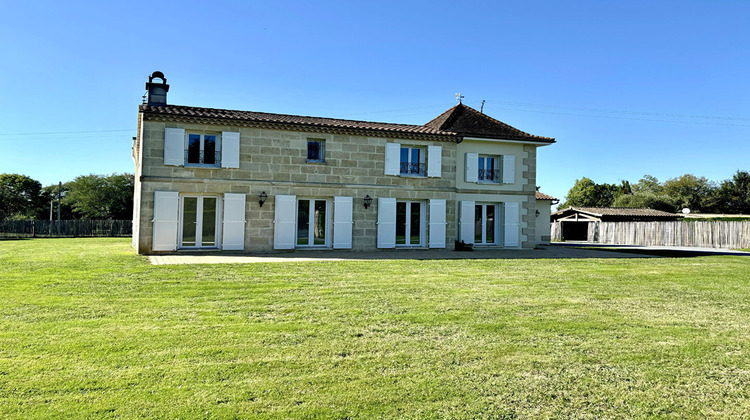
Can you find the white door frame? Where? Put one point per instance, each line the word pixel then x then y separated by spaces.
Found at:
pixel 199 221
pixel 422 223
pixel 484 224
pixel 311 220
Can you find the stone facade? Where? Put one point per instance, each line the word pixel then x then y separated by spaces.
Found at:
pixel 267 154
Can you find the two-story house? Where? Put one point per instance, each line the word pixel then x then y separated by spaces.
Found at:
pixel 216 179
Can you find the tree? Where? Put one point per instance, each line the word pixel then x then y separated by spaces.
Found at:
pixel 19 196
pixel 101 197
pixel 734 194
pixel 587 193
pixel 690 191
pixel 648 184
pixel 647 200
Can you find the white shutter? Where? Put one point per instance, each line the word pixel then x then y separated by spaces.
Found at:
pixel 174 146
pixel 283 231
pixel 230 149
pixel 437 224
pixel 386 222
pixel 166 215
pixel 472 167
pixel 466 221
pixel 342 222
pixel 511 224
pixel 233 236
pixel 434 160
pixel 509 169
pixel 392 158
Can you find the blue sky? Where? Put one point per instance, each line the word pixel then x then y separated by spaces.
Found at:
pixel 626 88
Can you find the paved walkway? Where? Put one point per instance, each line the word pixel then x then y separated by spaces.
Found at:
pixel 550 252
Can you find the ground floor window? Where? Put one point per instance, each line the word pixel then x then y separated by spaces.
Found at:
pixel 313 220
pixel 199 221
pixel 410 223
pixel 486 226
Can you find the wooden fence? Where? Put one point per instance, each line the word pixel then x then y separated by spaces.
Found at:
pixel 713 234
pixel 64 228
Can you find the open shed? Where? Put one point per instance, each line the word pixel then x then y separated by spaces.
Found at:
pixel 574 221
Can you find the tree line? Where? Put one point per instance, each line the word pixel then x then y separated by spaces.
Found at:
pixel 86 197
pixel 698 194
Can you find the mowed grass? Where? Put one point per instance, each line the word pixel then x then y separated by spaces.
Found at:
pixel 88 329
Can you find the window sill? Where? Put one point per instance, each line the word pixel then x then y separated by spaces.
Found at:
pixel 412 175
pixel 316 162
pixel 202 166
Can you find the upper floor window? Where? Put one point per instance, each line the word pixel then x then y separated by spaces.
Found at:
pixel 202 149
pixel 208 150
pixel 316 150
pixel 412 161
pixel 488 169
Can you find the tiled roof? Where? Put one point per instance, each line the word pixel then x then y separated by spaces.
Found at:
pixel 467 121
pixel 542 196
pixel 452 125
pixel 620 211
pixel 302 122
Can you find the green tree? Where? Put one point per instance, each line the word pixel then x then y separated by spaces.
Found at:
pixel 734 194
pixel 19 196
pixel 690 191
pixel 647 200
pixel 587 193
pixel 648 184
pixel 101 197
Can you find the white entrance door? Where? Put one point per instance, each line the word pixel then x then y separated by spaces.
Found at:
pixel 410 223
pixel 313 221
pixel 485 224
pixel 199 221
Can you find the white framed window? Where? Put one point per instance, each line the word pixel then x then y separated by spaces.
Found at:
pixel 486 226
pixel 412 161
pixel 199 221
pixel 410 223
pixel 488 169
pixel 316 150
pixel 202 149
pixel 313 222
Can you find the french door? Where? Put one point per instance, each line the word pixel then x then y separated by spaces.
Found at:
pixel 486 227
pixel 410 223
pixel 313 219
pixel 199 221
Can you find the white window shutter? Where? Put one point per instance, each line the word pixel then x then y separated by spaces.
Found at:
pixel 174 146
pixel 283 230
pixel 511 224
pixel 466 222
pixel 386 222
pixel 230 149
pixel 434 161
pixel 509 169
pixel 392 158
pixel 472 167
pixel 342 222
pixel 233 236
pixel 166 218
pixel 437 224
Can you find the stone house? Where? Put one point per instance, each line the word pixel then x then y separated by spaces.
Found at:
pixel 243 181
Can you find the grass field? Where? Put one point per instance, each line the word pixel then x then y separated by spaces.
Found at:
pixel 90 330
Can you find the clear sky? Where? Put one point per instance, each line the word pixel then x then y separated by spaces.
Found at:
pixel 627 88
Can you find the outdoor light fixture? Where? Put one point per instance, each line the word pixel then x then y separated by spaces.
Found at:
pixel 368 201
pixel 262 198
pixel 537 213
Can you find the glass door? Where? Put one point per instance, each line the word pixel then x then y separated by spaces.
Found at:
pixel 409 223
pixel 485 224
pixel 312 222
pixel 199 222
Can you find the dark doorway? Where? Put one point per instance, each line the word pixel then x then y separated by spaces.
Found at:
pixel 575 231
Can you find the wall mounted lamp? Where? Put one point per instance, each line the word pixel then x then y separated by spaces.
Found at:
pixel 537 213
pixel 368 201
pixel 262 198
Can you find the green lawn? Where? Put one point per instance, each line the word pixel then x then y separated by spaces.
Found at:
pixel 90 330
